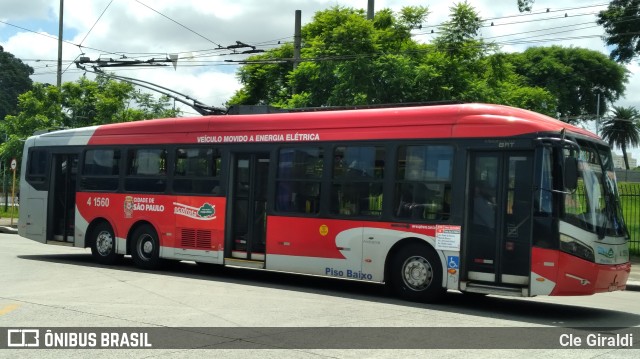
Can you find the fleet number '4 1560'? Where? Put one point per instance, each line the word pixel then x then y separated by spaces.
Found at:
pixel 98 201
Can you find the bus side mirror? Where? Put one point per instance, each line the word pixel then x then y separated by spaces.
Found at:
pixel 571 173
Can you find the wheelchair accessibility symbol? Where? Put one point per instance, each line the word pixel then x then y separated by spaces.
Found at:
pixel 453 262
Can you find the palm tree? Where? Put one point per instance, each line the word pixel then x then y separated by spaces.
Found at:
pixel 622 129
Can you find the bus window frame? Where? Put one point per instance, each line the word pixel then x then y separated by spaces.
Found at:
pixel 218 177
pixel 166 176
pixel 320 180
pixel 119 177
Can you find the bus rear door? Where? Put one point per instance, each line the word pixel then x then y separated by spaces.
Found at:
pixel 63 197
pixel 497 243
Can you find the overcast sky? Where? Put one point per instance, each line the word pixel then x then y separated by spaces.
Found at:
pixel 196 29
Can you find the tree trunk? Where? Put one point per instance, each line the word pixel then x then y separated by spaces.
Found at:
pixel 624 154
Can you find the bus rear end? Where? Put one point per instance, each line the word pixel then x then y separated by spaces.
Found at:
pixel 48 186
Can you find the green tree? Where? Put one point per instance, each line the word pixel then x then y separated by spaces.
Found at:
pixel 458 56
pixel 574 76
pixel 621 22
pixel 621 130
pixel 265 81
pixel 345 60
pixel 77 104
pixel 88 102
pixel 14 80
pixel 39 108
pixel 348 60
pixel 525 5
pixel 462 60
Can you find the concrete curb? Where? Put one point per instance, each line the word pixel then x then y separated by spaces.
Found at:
pixel 633 286
pixel 8 230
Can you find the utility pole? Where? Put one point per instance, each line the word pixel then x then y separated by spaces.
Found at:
pixel 59 73
pixel 297 39
pixel 370 11
pixel 297 43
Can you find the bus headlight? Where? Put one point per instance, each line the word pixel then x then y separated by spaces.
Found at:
pixel 575 247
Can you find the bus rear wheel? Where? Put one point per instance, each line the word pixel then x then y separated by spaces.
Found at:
pixel 145 250
pixel 103 244
pixel 416 274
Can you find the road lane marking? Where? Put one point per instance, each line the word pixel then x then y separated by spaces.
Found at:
pixel 9 308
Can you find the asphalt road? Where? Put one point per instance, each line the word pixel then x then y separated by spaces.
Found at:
pixel 44 286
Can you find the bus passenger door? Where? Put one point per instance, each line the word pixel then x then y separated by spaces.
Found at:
pixel 62 202
pixel 248 195
pixel 497 243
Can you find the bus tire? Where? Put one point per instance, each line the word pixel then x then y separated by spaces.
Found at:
pixel 416 274
pixel 145 247
pixel 103 244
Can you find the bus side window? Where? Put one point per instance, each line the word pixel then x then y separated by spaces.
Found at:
pixel 196 171
pixel 423 178
pixel 298 179
pixel 357 178
pixel 37 166
pixel 100 169
pixel 146 170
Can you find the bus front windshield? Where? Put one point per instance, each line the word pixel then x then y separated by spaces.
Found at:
pixel 594 205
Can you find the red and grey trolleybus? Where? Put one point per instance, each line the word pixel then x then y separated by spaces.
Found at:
pixel 471 197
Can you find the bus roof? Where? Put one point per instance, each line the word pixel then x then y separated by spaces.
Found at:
pixel 441 121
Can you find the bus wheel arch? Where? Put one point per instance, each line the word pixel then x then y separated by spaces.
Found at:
pixel 413 271
pixel 143 243
pixel 101 238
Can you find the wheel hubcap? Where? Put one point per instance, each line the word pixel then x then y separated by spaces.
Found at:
pixel 417 273
pixel 145 247
pixel 104 243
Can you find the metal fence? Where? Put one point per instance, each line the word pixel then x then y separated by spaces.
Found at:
pixel 630 198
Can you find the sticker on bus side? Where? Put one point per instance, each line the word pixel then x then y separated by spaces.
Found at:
pixel 448 237
pixel 205 212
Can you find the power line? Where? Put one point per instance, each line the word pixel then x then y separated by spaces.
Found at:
pixel 165 16
pixel 546 29
pixel 111 52
pixel 55 38
pixel 207 52
pixel 492 25
pixel 95 23
pixel 344 57
pixel 549 11
pixel 200 54
pixel 278 41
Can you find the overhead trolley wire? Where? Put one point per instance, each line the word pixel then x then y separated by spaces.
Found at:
pixel 87 34
pixel 165 16
pixel 198 56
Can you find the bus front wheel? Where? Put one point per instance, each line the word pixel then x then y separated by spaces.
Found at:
pixel 103 244
pixel 416 274
pixel 146 247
